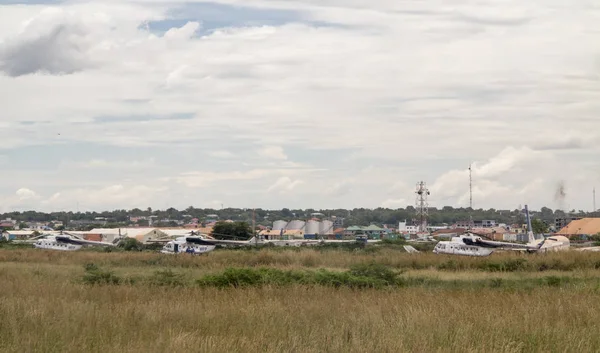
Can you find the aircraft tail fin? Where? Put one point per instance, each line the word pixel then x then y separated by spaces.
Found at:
pixel 530 235
pixel 410 249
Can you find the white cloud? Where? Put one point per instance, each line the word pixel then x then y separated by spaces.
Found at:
pixel 394 203
pixel 274 152
pixel 26 194
pixel 221 154
pixel 116 196
pixel 376 97
pixel 204 179
pixel 183 33
pixel 514 176
pixel 110 164
pixel 284 184
pixel 341 187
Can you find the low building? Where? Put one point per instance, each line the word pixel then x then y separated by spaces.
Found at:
pixel 143 235
pixel 19 234
pixel 404 228
pixel 448 233
pixel 372 231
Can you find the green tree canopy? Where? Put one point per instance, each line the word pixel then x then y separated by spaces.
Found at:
pixel 236 230
pixel 539 227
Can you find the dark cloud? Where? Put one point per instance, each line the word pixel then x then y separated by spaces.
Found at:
pixel 60 50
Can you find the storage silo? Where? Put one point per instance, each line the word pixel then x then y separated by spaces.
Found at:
pixel 279 225
pixel 295 225
pixel 312 228
pixel 326 228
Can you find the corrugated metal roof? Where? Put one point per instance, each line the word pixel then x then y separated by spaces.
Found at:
pixel 181 232
pixel 581 226
pixel 20 232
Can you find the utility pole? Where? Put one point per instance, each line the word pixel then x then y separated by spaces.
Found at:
pixel 470 197
pixel 470 187
pixel 254 227
pixel 594 210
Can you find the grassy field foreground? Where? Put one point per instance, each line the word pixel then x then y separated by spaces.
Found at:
pixel 45 306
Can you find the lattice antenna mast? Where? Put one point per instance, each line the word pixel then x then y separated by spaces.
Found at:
pixel 470 197
pixel 470 187
pixel 422 206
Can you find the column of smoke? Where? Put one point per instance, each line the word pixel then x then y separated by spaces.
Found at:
pixel 560 195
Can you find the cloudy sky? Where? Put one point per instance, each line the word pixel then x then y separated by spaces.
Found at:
pixel 298 103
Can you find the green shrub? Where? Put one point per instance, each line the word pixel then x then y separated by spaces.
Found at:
pixel 131 244
pixel 360 276
pixel 508 265
pixel 166 278
pixel 95 275
pixel 374 270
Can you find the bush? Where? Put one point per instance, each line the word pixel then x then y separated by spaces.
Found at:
pixel 360 276
pixel 508 265
pixel 130 244
pixel 94 275
pixel 167 278
pixel 374 270
pixel 555 281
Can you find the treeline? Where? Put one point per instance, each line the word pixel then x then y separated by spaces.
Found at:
pixel 357 216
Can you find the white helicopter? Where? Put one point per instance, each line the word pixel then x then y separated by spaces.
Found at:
pixel 68 242
pixel 194 245
pixel 474 245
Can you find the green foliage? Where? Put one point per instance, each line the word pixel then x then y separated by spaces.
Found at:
pixel 95 275
pixel 539 226
pixel 237 230
pixel 166 278
pixel 131 244
pixel 360 276
pixel 374 270
pixel 508 265
pixel 397 241
pixel 368 276
pixel 8 244
pixel 515 265
pixel 356 216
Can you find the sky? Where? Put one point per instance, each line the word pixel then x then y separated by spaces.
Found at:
pixel 298 103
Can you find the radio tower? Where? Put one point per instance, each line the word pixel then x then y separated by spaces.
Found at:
pixel 471 198
pixel 422 205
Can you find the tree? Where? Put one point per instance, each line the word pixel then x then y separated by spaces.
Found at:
pixel 130 244
pixel 539 227
pixel 238 230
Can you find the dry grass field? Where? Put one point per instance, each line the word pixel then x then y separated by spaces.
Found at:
pixel 505 303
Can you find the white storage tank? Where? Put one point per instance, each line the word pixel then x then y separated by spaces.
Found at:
pixel 326 227
pixel 295 225
pixel 279 225
pixel 312 227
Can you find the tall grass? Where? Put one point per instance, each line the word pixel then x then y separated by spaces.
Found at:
pixel 44 310
pixel 313 258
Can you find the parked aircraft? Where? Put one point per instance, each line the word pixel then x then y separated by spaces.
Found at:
pixel 190 245
pixel 68 242
pixel 473 245
pixel 462 245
